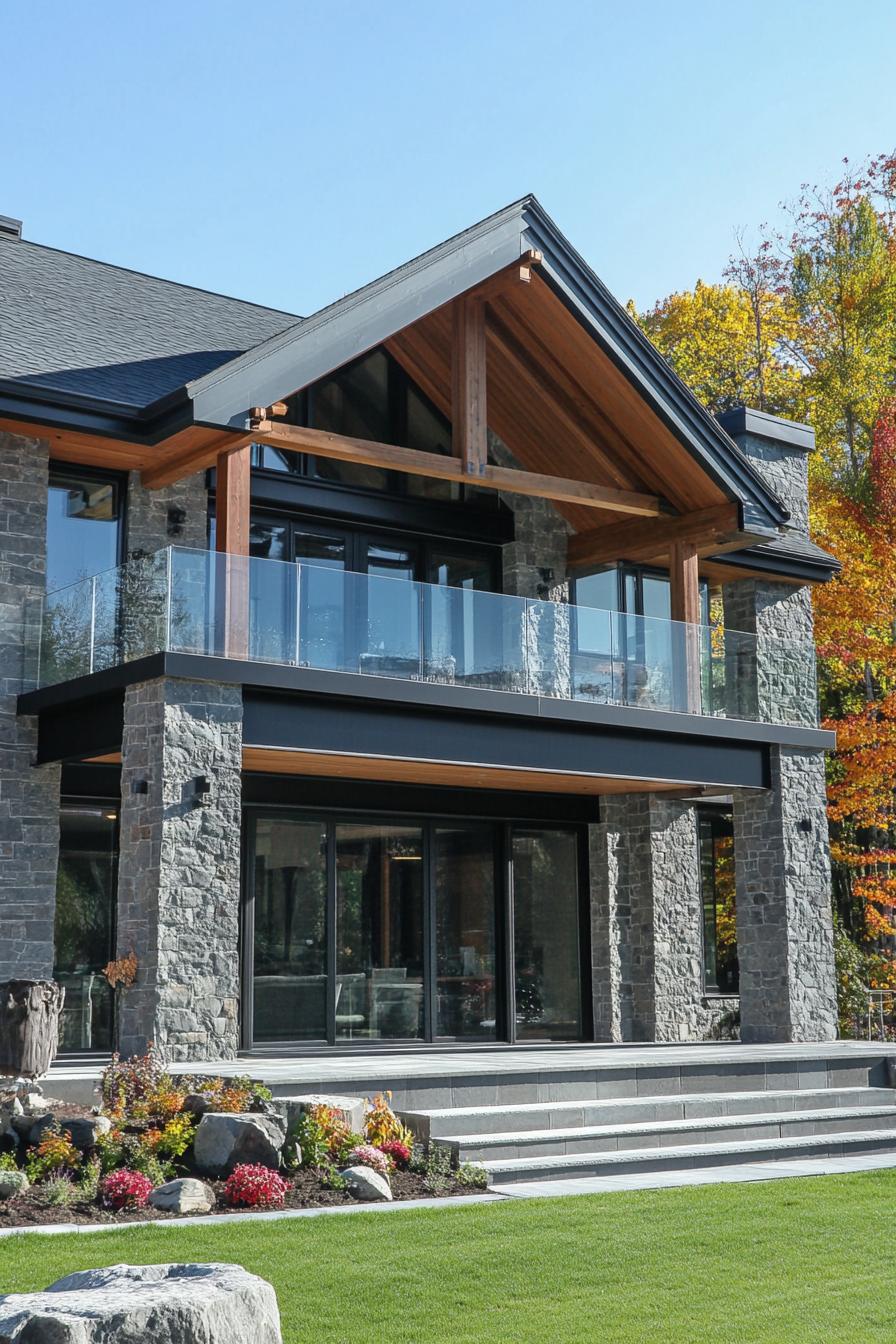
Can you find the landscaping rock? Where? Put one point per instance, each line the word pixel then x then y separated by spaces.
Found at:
pixel 180 1304
pixel 185 1195
pixel 350 1109
pixel 366 1183
pixel 223 1141
pixel 85 1130
pixel 196 1104
pixel 12 1183
pixel 39 1129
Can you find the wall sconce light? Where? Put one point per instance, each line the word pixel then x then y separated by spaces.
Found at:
pixel 202 791
pixel 139 786
pixel 175 521
pixel 805 825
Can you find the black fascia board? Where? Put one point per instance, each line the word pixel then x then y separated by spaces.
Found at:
pixel 802 568
pixel 747 420
pixel 330 338
pixel 345 687
pixel 53 409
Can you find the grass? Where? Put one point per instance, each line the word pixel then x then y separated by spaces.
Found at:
pixel 803 1260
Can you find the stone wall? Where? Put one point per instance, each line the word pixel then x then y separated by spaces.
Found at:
pixel 176 515
pixel 29 794
pixel 647 924
pixel 179 870
pixel 784 931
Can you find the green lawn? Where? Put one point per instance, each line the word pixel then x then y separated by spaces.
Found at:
pixel 783 1261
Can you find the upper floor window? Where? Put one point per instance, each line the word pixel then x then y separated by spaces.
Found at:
pixel 84 519
pixel 371 398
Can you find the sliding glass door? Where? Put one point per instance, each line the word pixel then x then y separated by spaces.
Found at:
pixel 372 929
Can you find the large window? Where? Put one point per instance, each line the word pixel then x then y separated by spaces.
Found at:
pixel 397 929
pixel 86 884
pixel 371 398
pixel 84 511
pixel 716 840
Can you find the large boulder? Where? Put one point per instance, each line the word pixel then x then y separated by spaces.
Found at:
pixel 184 1195
pixel 177 1304
pixel 365 1183
pixel 350 1109
pixel 223 1141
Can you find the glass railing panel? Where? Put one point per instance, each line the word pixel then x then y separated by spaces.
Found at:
pixel 66 633
pixel 473 638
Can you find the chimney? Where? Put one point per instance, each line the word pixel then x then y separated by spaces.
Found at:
pixel 779 450
pixel 10 229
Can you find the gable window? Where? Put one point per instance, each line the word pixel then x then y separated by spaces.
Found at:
pixel 715 838
pixel 371 398
pixel 84 522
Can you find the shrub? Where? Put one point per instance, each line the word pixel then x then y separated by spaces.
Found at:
pixel 398 1153
pixel 365 1155
pixel 54 1156
pixel 254 1187
pixel 469 1174
pixel 174 1139
pixel 235 1095
pixel 125 1189
pixel 133 1152
pixel 59 1191
pixel 323 1135
pixel 89 1180
pixel 382 1125
pixel 127 1085
pixel 8 1162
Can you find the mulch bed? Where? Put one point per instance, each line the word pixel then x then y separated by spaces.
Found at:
pixel 31 1209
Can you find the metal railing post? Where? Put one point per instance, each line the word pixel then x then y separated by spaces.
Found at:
pixel 168 582
pixel 92 622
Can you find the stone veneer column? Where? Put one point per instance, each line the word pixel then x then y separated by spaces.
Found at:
pixel 179 869
pixel 29 794
pixel 781 851
pixel 647 923
pixel 176 515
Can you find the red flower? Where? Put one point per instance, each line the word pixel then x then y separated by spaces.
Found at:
pixel 254 1187
pixel 124 1189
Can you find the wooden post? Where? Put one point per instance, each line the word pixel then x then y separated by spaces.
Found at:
pixel 469 422
pixel 232 507
pixel 684 586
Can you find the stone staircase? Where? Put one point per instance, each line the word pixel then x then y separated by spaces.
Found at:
pixel 603 1121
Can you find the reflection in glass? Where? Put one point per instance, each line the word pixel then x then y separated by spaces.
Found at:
pixel 546 935
pixel 86 884
pixel 465 931
pixel 354 401
pixel 290 957
pixel 322 600
pixel 720 966
pixel 83 526
pixel 379 931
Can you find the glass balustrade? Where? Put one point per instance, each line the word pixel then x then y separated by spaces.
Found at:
pixel 311 616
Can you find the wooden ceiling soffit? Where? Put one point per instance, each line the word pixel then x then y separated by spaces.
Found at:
pixel 527 409
pixel 642 540
pixel 294 438
pixel 200 451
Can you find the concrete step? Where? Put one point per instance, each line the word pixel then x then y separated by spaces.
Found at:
pixel 447 1122
pixel 593 1139
pixel 507 1171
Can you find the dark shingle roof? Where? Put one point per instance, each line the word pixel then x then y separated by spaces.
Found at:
pixel 73 325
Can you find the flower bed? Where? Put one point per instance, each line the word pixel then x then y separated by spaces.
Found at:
pixel 101 1166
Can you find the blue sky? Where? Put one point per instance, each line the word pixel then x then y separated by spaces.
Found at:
pixel 288 150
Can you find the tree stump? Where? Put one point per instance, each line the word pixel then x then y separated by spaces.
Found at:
pixel 29 1026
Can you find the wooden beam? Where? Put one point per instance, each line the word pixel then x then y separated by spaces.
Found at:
pixel 684 582
pixel 295 438
pixel 644 540
pixel 469 425
pixel 192 459
pixel 232 500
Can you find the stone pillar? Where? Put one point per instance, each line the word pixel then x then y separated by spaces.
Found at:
pixel 29 794
pixel 179 868
pixel 647 923
pixel 785 938
pixel 781 851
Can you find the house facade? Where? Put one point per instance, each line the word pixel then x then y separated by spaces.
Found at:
pixel 432 669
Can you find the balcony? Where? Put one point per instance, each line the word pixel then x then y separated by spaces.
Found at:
pixel 307 615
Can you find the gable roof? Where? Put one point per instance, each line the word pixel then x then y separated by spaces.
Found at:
pixel 89 329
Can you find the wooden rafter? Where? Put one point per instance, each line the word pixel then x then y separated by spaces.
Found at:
pixel 643 540
pixel 321 443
